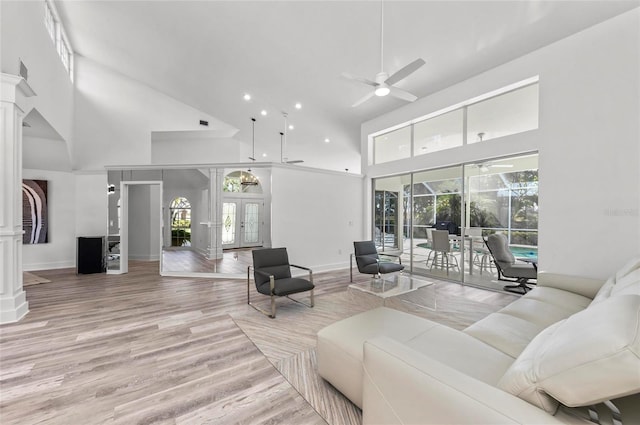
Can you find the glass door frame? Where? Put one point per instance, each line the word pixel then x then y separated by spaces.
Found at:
pixel 408 198
pixel 239 222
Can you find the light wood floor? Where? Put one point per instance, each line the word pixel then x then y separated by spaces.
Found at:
pixel 140 349
pixel 233 261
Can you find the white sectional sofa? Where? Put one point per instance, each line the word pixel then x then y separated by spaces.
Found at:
pixel 570 342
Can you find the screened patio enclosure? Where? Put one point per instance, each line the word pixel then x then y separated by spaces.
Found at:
pixel 475 199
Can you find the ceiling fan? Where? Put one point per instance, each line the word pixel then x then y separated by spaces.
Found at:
pixel 383 84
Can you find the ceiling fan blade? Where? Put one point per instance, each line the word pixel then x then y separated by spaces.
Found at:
pixel 364 99
pixel 405 72
pixel 401 94
pixel 295 161
pixel 360 79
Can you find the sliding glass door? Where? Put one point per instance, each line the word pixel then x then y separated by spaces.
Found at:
pixel 389 223
pixel 467 203
pixel 436 205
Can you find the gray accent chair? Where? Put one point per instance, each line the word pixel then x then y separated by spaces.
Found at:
pixel 368 260
pixel 272 277
pixel 510 269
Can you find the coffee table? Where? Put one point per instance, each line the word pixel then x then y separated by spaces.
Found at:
pixel 388 286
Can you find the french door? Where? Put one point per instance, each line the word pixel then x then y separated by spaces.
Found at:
pixel 242 223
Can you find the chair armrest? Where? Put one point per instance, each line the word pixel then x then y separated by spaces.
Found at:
pixel 404 386
pixel 267 275
pixel 578 285
pixel 392 255
pixel 304 268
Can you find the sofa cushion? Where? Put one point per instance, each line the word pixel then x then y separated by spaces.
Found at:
pixel 605 290
pixel 339 349
pixel 591 357
pixel 625 281
pixel 505 332
pixel 630 266
pixel 629 284
pixel 541 312
pixel 462 352
pixel 569 301
pixel 521 378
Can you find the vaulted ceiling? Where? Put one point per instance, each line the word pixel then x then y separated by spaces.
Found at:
pixel 207 54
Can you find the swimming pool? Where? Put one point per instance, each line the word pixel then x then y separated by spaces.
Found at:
pixel 524 251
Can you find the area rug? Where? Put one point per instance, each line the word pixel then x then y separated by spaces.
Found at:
pixel 32 279
pixel 289 342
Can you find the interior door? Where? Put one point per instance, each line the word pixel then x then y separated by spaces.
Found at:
pixel 242 223
pixel 251 223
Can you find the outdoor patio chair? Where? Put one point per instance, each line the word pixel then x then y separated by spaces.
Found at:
pixel 441 247
pixel 510 269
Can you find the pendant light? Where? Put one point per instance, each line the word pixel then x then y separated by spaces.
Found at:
pixel 246 178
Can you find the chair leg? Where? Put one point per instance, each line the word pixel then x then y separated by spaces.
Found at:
pixel 434 261
pixel 312 299
pixel 273 307
pixel 429 258
pixel 520 288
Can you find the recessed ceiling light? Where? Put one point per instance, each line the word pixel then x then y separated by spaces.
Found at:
pixel 290 126
pixel 327 140
pixel 263 112
pixel 246 96
pixel 298 105
pixel 264 155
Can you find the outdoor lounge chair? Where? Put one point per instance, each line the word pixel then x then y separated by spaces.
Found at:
pixel 510 269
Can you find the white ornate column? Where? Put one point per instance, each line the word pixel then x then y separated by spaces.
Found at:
pixel 13 303
pixel 216 178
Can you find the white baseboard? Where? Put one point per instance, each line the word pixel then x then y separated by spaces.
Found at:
pixel 48 266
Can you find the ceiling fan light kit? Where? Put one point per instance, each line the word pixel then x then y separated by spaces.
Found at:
pixel 382 90
pixel 384 84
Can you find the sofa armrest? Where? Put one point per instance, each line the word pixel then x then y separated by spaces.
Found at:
pixel 403 386
pixel 578 285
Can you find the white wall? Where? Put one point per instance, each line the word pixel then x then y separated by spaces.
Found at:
pixel 588 141
pixel 316 215
pixel 75 209
pixel 60 252
pixel 91 203
pixel 115 117
pixel 45 154
pixel 25 37
pixel 195 147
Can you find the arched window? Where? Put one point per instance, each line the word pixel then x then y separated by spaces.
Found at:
pixel 241 182
pixel 180 211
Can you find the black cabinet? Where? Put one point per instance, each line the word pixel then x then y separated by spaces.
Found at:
pixel 90 255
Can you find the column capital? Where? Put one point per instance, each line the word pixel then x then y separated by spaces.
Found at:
pixel 13 85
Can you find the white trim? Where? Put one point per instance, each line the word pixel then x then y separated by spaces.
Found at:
pixel 238 165
pixel 124 224
pixel 468 102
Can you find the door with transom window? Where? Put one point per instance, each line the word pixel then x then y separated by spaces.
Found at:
pixel 242 223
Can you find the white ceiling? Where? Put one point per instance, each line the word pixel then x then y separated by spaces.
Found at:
pixel 207 54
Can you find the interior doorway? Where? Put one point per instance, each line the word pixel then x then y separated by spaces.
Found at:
pixel 140 223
